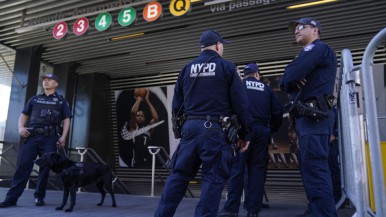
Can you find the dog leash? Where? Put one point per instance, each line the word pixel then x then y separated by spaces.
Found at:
pixel 63 150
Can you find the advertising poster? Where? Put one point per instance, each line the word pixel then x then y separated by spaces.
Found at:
pixel 143 121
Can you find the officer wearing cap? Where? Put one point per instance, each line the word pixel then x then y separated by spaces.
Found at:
pixel 207 90
pixel 309 80
pixel 39 124
pixel 267 115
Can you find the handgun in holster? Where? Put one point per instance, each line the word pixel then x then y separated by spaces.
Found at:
pixel 231 125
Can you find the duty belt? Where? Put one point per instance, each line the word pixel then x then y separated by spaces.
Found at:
pixel 209 119
pixel 46 131
pixel 204 117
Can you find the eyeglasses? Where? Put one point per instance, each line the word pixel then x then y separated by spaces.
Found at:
pixel 301 27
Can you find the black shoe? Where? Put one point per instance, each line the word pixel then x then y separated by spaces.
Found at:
pixel 6 204
pixel 39 202
pixel 224 213
pixel 252 215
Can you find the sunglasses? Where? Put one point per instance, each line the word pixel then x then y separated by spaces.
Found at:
pixel 301 27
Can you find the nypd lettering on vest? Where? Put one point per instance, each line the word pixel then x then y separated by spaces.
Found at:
pixel 54 102
pixel 205 69
pixel 255 85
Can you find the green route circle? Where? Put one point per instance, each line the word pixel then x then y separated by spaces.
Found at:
pixel 103 21
pixel 127 16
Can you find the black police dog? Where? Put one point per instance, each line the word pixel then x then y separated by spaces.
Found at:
pixel 75 175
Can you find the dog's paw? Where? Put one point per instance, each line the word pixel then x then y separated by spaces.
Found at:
pixel 114 205
pixel 99 204
pixel 68 210
pixel 59 208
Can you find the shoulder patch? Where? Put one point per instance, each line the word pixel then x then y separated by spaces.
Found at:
pixel 308 47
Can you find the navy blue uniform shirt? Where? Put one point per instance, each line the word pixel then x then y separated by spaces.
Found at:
pixel 318 65
pixel 43 102
pixel 265 105
pixel 218 90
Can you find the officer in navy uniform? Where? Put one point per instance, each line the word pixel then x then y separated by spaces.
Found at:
pixel 267 115
pixel 309 79
pixel 40 126
pixel 207 89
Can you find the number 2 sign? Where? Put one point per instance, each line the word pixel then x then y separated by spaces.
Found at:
pixel 60 30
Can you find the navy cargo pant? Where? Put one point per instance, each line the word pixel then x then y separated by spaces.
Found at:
pixel 316 174
pixel 33 146
pixel 255 158
pixel 199 145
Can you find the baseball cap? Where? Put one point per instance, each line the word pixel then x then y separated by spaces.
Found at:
pixel 251 68
pixel 305 21
pixel 211 37
pixel 50 76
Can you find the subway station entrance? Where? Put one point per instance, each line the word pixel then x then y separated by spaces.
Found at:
pixel 107 52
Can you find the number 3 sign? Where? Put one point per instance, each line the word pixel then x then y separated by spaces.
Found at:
pixel 81 26
pixel 60 30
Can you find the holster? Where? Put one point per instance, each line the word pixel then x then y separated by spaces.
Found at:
pixel 302 109
pixel 177 123
pixel 315 108
pixel 231 125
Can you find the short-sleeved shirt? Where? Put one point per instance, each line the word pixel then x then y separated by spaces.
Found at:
pixel 39 106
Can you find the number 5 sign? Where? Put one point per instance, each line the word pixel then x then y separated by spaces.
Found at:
pixel 81 26
pixel 60 30
pixel 127 16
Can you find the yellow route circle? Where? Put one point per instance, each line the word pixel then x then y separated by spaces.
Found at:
pixel 179 7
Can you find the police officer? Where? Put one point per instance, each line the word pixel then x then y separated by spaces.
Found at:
pixel 39 124
pixel 207 89
pixel 267 115
pixel 309 79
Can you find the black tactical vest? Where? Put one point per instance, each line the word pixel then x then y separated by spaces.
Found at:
pixel 46 111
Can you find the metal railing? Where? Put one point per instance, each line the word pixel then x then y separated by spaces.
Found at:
pixel 3 157
pixel 164 158
pixel 352 129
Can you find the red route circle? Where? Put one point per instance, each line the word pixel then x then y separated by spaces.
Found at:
pixel 81 25
pixel 60 30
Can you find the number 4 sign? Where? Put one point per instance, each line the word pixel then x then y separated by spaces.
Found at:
pixel 60 30
pixel 103 21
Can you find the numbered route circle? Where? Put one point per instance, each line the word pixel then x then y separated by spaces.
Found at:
pixel 60 30
pixel 179 7
pixel 152 11
pixel 103 21
pixel 81 26
pixel 127 16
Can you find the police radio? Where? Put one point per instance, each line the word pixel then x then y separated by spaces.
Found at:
pixel 177 122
